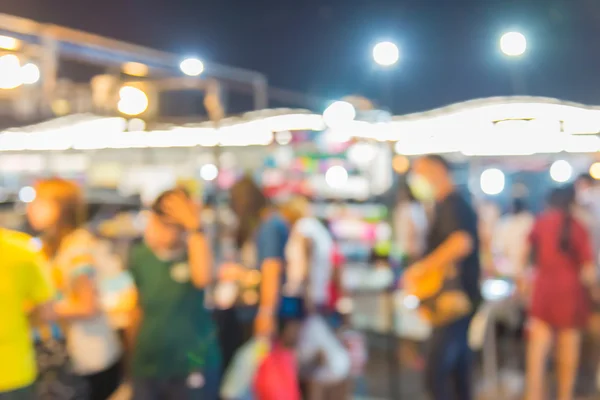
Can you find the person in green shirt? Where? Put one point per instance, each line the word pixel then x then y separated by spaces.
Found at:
pixel 174 341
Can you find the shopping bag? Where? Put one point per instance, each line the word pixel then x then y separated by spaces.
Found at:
pixel 317 338
pixel 442 299
pixel 277 376
pixel 237 384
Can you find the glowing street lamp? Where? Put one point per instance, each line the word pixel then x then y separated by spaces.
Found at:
pixel 30 74
pixel 10 72
pixel 192 67
pixel 132 101
pixel 513 44
pixel 338 114
pixel 386 54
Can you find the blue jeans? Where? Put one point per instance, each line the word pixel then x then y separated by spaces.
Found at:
pixel 26 393
pixel 448 371
pixel 177 388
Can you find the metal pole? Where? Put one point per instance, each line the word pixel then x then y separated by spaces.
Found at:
pixel 49 72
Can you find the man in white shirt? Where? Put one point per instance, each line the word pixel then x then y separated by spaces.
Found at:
pixel 510 239
pixel 308 254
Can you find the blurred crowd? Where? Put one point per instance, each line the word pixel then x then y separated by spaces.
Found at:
pixel 65 336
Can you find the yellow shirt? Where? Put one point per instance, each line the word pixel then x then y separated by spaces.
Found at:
pixel 23 282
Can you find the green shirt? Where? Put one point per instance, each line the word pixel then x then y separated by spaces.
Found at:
pixel 177 334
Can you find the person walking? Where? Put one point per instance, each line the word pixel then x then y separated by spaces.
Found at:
pixel 560 303
pixel 452 242
pixel 24 281
pixel 172 335
pixel 81 356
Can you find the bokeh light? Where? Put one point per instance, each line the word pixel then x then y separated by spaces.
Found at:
pixel 192 66
pixel 400 164
pixel 595 170
pixel 10 72
pixel 561 171
pixel 513 44
pixel 30 74
pixel 133 101
pixel 27 194
pixel 386 54
pixel 209 172
pixel 492 181
pixel 336 176
pixel 339 113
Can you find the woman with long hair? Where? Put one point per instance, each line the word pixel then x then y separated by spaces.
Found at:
pixel 82 354
pixel 560 305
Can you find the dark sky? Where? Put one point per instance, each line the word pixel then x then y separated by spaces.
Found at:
pixel 450 47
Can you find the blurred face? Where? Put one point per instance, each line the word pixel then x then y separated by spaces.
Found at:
pixel 583 191
pixel 43 213
pixel 162 233
pixel 425 178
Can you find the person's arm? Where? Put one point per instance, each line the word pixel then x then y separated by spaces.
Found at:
pixel 583 248
pixel 133 327
pixel 40 290
pixel 83 301
pixel 459 238
pixel 179 207
pixel 271 270
pixel 200 259
pixel 307 249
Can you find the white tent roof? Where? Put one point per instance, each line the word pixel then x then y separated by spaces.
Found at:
pixel 493 126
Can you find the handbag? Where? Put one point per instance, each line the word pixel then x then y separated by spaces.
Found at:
pixel 442 299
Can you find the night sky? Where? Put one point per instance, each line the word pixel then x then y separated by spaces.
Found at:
pixel 450 47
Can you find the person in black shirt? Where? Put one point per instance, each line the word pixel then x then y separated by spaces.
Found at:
pixel 452 240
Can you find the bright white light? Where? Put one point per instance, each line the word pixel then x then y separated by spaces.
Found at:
pixel 496 289
pixel 339 113
pixel 136 125
pixel 27 194
pixel 30 74
pixel 283 138
pixel 8 43
pixel 492 181
pixel 411 302
pixel 513 44
pixel 192 66
pixel 133 101
pixel 362 154
pixel 561 171
pixel 386 54
pixel 209 172
pixel 336 176
pixel 10 72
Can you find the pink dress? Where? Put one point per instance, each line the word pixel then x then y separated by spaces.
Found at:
pixel 559 297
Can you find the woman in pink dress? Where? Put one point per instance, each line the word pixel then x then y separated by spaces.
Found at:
pixel 560 300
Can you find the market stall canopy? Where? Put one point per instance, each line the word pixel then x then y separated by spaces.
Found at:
pixel 499 126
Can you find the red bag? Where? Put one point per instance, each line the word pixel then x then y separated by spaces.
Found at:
pixel 277 376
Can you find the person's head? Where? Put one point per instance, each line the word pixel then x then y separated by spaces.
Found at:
pixel 295 209
pixel 583 186
pixel 518 206
pixel 58 209
pixel 162 232
pixel 247 202
pixel 562 198
pixel 431 178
